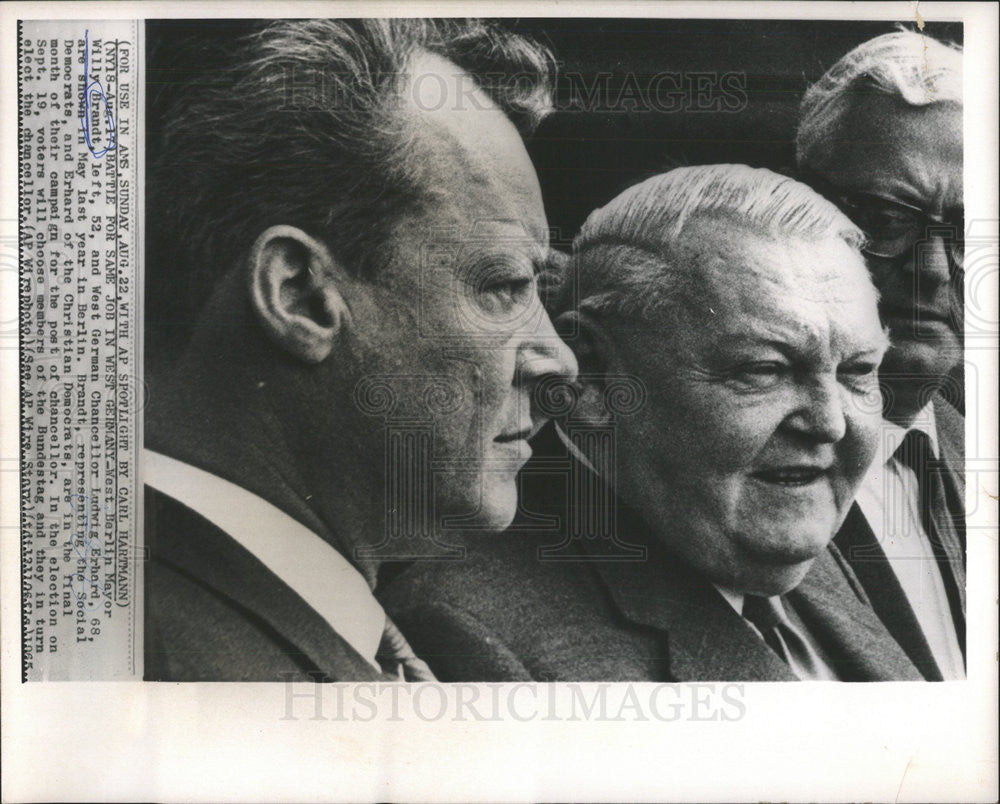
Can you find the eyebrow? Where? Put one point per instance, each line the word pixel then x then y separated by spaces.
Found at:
pixel 748 340
pixel 793 351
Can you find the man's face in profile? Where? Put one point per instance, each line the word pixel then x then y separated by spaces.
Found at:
pixel 899 172
pixel 761 422
pixel 454 319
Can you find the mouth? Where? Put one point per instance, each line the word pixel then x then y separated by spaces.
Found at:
pixel 791 476
pixel 520 435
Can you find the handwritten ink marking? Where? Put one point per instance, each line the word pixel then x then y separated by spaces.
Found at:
pixel 93 95
pixel 90 558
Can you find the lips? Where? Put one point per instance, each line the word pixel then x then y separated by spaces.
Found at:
pixel 520 435
pixel 791 476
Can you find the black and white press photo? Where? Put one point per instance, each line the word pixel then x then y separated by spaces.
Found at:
pixel 572 403
pixel 372 448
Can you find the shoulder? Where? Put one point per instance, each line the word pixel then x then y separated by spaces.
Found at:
pixel 214 612
pixel 502 580
pixel 194 634
pixel 504 613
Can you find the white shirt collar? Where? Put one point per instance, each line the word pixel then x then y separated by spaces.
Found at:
pixel 734 599
pixel 310 566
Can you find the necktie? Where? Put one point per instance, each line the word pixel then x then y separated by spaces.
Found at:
pixel 944 531
pixel 397 657
pixel 768 616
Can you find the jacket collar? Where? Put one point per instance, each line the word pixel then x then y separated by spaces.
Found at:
pixel 707 640
pixel 182 538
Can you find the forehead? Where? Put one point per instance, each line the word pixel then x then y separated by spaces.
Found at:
pixel 748 288
pixel 913 153
pixel 471 161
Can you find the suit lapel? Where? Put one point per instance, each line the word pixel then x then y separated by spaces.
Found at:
pixel 951 442
pixel 183 539
pixel 857 544
pixel 707 640
pixel 857 643
pixel 951 546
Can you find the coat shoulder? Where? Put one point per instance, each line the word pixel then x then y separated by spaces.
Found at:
pixel 504 613
pixel 194 634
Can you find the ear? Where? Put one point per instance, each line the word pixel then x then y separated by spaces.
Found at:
pixel 595 354
pixel 294 292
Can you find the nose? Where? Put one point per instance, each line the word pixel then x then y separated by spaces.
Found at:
pixel 820 411
pixel 543 353
pixel 931 263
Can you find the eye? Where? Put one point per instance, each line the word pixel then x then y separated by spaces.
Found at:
pixel 504 296
pixel 885 221
pixel 512 290
pixel 859 376
pixel 761 373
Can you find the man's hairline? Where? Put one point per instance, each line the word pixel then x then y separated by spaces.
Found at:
pixel 424 127
pixel 825 146
pixel 750 231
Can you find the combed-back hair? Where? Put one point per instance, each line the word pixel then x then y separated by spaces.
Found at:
pixel 912 67
pixel 298 123
pixel 627 261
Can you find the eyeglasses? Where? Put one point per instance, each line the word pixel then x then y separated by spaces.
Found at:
pixel 894 228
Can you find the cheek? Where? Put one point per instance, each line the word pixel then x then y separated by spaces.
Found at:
pixel 730 437
pixel 707 436
pixel 495 370
pixel 890 276
pixel 857 449
pixel 486 380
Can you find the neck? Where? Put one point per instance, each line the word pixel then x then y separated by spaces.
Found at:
pixel 902 402
pixel 232 412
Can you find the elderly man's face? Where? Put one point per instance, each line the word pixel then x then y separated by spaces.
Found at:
pixel 453 326
pixel 763 412
pixel 897 166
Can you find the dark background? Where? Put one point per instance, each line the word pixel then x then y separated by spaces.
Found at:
pixel 585 157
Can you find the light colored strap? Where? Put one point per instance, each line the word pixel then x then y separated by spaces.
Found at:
pixel 311 567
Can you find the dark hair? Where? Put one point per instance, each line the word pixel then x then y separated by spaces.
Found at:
pixel 295 123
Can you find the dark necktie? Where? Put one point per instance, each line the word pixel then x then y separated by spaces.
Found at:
pixel 944 531
pixel 397 657
pixel 780 635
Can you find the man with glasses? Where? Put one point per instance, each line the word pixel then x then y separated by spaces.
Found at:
pixel 881 135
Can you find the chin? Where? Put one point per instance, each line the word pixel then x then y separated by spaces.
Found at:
pixel 490 507
pixel 920 362
pixel 791 544
pixel 777 580
pixel 499 507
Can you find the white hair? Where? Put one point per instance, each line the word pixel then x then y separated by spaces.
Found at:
pixel 910 66
pixel 625 258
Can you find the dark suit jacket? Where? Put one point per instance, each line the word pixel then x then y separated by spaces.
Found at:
pixel 858 543
pixel 584 610
pixel 213 612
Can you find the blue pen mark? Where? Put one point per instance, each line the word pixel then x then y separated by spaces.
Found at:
pixel 93 94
